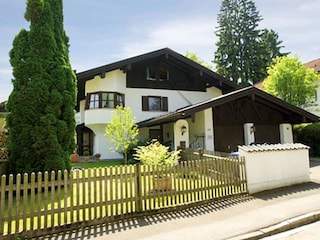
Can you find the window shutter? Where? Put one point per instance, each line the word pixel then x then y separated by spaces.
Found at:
pixel 145 105
pixel 87 101
pixel 164 104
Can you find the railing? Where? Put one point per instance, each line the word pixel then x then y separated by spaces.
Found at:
pixel 34 205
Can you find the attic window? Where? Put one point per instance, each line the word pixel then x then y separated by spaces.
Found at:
pixel 160 74
pixel 151 73
pixel 163 74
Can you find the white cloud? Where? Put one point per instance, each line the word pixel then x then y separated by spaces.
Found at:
pixel 195 35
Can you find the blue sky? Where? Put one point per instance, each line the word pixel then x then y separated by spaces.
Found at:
pixel 105 31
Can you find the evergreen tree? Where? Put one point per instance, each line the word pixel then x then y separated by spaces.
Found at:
pixel 243 51
pixel 41 121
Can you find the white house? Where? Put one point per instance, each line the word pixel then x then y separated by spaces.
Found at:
pixel 150 84
pixel 177 100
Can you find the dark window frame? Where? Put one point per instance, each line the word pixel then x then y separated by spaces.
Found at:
pixel 98 100
pixel 146 104
pixel 157 74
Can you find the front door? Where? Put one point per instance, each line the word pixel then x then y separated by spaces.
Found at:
pixel 84 139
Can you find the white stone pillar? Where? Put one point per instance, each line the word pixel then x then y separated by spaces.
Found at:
pixel 286 135
pixel 181 133
pixel 208 126
pixel 249 130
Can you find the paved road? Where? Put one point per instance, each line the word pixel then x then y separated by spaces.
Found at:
pixel 308 232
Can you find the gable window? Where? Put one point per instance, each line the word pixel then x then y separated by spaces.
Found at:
pixel 151 73
pixel 154 103
pixel 104 100
pixel 161 74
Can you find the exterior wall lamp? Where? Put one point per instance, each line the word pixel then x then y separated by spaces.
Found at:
pixel 183 129
pixel 252 129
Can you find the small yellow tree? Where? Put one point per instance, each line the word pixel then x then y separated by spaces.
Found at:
pixel 122 131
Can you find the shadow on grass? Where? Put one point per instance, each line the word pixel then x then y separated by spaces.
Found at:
pixel 102 231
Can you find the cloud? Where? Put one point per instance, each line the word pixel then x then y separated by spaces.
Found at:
pixel 181 35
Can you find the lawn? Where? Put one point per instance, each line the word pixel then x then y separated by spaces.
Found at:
pixel 95 164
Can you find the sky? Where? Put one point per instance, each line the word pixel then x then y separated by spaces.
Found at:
pixel 105 31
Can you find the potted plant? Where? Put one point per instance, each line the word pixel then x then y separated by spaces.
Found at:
pixel 86 155
pixel 97 156
pixel 157 154
pixel 74 157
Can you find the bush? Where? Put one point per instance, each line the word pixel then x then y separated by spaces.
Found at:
pixel 309 134
pixel 156 154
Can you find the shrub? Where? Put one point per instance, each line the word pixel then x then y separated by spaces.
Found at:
pixel 156 154
pixel 309 134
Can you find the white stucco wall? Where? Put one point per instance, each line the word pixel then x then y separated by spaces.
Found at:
pixel 176 99
pixel 274 166
pixel 101 144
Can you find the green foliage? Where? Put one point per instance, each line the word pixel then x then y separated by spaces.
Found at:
pixel 291 81
pixel 41 121
pixel 122 130
pixel 156 154
pixel 243 51
pixel 85 153
pixel 309 134
pixel 194 57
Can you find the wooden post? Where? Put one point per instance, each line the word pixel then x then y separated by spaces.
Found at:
pixel 200 151
pixel 138 189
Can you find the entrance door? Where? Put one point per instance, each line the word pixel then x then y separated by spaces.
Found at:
pixel 84 139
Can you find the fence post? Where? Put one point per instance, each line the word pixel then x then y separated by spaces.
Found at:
pixel 138 189
pixel 200 151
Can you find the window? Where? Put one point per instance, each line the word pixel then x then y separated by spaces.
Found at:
pixel 154 103
pixel 161 74
pixel 151 73
pixel 104 100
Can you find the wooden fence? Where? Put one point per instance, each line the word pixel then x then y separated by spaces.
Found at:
pixel 42 204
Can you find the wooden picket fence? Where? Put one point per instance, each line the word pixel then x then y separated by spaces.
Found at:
pixel 40 204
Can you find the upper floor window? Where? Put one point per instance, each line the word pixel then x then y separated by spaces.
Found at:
pixel 154 103
pixel 104 100
pixel 161 74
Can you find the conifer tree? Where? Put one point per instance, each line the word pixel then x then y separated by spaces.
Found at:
pixel 243 51
pixel 41 121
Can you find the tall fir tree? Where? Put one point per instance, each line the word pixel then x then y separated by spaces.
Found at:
pixel 242 52
pixel 41 121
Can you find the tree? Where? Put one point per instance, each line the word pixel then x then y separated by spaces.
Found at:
pixel 41 121
pixel 291 81
pixel 271 49
pixel 243 51
pixel 122 131
pixel 194 57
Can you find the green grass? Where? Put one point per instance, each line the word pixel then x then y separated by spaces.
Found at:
pixel 102 164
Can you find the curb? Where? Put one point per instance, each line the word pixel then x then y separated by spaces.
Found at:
pixel 280 227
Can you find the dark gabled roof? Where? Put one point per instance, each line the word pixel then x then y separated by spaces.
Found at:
pixel 251 92
pixel 172 57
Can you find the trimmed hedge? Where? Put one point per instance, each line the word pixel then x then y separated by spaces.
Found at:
pixel 309 134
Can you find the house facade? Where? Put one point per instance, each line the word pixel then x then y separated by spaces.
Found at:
pixel 151 84
pixel 179 102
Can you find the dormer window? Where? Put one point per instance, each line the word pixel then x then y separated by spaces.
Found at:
pixel 104 100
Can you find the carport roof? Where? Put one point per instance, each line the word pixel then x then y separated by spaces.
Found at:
pixel 295 114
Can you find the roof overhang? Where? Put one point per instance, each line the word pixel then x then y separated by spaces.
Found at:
pixel 253 93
